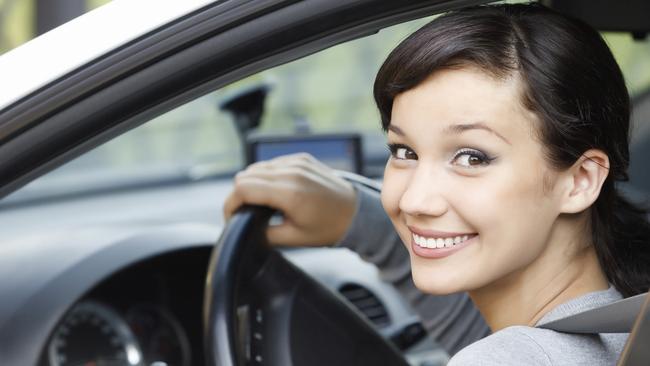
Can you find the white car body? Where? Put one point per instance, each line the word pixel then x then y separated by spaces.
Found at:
pixel 50 56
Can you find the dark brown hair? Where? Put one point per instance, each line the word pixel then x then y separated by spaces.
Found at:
pixel 571 81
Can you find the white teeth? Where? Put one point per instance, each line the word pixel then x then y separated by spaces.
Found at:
pixel 431 243
pixel 438 242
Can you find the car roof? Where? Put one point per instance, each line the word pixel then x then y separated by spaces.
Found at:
pixel 83 39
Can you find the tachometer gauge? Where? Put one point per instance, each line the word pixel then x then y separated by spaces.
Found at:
pixel 93 334
pixel 160 335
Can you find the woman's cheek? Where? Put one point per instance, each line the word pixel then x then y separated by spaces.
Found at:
pixel 501 207
pixel 519 192
pixel 393 186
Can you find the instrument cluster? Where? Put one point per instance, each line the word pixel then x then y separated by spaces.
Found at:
pixel 95 333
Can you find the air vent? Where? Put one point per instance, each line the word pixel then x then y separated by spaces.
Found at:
pixel 364 300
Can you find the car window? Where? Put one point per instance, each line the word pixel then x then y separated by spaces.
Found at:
pixel 634 58
pixel 327 91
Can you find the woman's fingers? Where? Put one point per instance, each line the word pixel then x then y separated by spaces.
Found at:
pixel 252 190
pixel 287 234
pixel 318 205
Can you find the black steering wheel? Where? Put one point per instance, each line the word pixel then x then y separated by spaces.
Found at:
pixel 260 309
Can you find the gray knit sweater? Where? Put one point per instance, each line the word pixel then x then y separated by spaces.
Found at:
pixel 456 323
pixel 521 345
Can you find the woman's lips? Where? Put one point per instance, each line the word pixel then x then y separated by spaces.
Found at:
pixel 438 244
pixel 436 233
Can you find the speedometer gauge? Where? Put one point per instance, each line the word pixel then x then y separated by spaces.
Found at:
pixel 93 334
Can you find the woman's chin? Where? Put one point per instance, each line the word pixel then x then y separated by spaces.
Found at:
pixel 435 283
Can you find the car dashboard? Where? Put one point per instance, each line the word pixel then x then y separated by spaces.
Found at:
pixel 151 312
pixel 147 314
pixel 124 284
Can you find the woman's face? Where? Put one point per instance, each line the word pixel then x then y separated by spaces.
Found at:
pixel 467 186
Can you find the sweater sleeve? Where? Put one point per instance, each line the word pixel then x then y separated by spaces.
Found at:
pixel 452 319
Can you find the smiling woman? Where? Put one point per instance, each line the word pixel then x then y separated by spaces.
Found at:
pixel 483 182
pixel 130 225
pixel 505 152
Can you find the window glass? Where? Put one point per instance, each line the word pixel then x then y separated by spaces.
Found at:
pixel 634 58
pixel 329 91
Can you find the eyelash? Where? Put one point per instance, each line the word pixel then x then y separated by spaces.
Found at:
pixel 484 159
pixel 394 148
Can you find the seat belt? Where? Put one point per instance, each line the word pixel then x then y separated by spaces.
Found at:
pixel 631 315
pixel 616 317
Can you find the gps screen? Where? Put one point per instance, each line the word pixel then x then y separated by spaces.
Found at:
pixel 337 151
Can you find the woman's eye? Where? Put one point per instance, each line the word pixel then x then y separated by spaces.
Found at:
pixel 470 158
pixel 402 152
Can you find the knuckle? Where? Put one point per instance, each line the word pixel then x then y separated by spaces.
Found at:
pixel 298 175
pixel 303 166
pixel 305 156
pixel 238 178
pixel 260 165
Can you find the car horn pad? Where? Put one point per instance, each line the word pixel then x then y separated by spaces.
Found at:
pixel 262 310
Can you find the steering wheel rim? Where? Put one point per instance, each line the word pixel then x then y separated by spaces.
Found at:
pixel 224 276
pixel 247 280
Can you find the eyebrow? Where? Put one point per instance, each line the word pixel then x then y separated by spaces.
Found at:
pixel 458 129
pixel 397 130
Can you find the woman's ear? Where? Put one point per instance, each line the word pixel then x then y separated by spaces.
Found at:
pixel 584 180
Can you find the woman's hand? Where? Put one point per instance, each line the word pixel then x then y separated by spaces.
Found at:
pixel 318 205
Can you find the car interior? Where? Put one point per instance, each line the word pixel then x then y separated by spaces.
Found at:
pixel 132 263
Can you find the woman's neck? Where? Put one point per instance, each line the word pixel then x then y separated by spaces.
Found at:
pixel 566 270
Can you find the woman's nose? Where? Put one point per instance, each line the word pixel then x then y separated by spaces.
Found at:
pixel 424 195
